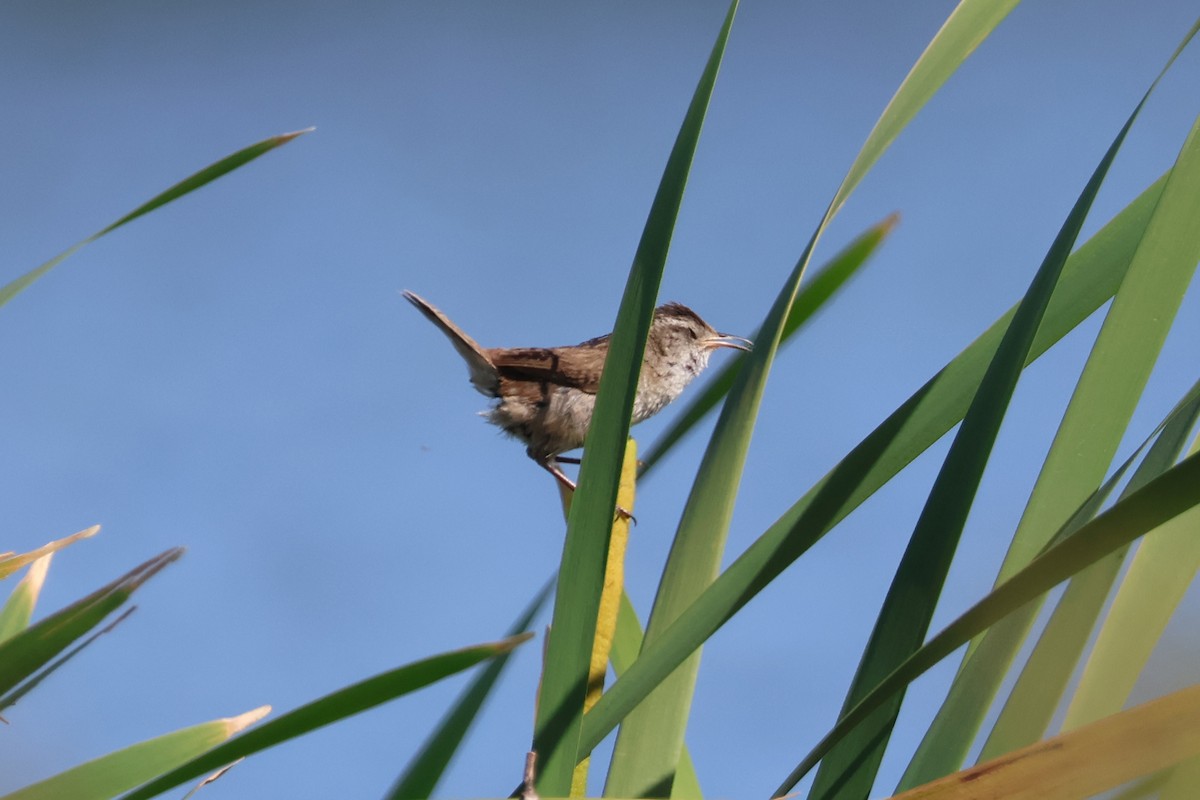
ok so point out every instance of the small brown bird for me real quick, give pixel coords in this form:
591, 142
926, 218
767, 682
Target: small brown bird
546, 395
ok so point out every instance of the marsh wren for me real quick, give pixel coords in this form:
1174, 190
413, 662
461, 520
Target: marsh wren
545, 395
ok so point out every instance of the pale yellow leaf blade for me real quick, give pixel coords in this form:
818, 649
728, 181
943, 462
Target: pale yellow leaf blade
11, 562
1097, 757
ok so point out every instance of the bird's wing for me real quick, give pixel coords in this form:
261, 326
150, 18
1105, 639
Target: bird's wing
575, 367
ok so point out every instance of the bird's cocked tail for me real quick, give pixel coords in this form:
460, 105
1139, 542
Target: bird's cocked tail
484, 375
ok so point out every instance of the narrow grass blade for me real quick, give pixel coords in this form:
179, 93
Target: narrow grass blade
329, 709
11, 562
125, 769
1161, 572
1095, 421
651, 737
33, 681
812, 297
1090, 278
18, 609
1081, 764
189, 184
1038, 691
1174, 492
426, 768
971, 22
212, 778
581, 574
24, 653
627, 643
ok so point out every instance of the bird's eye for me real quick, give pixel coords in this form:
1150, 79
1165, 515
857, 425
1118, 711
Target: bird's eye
691, 333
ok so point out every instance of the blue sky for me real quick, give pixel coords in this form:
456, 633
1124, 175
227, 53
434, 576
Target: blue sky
237, 373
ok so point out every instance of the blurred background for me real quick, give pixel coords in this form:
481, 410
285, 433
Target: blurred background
237, 372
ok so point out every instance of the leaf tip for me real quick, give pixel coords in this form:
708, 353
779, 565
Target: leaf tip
889, 223
242, 721
284, 138
512, 642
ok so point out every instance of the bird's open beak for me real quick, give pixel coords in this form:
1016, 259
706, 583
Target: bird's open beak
728, 340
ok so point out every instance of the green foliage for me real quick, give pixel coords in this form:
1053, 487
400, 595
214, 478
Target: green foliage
329, 709
422, 774
23, 654
849, 770
121, 771
1143, 260
185, 186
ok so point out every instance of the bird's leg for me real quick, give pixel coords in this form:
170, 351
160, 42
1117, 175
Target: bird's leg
550, 464
574, 460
